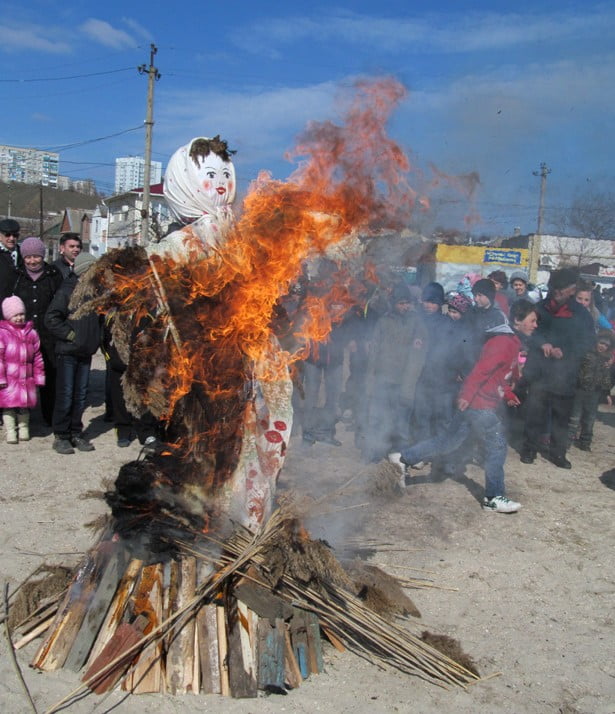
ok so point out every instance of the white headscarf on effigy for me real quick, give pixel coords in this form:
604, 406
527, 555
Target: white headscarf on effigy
200, 192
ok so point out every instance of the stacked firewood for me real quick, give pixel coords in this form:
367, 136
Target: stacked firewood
231, 617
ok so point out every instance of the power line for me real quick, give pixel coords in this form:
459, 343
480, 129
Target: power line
92, 141
73, 76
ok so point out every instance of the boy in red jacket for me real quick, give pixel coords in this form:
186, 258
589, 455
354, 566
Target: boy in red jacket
480, 396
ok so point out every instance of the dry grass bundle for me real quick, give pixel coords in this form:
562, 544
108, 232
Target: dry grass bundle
380, 591
33, 592
451, 648
385, 480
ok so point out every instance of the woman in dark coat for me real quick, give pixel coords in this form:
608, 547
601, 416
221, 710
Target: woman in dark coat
36, 284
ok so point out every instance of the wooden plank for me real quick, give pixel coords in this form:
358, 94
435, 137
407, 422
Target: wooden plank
298, 636
55, 648
124, 637
292, 671
208, 649
260, 598
146, 674
97, 610
314, 643
180, 647
115, 614
242, 677
333, 639
222, 650
271, 656
33, 633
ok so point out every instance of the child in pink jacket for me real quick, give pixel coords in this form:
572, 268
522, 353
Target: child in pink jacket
21, 369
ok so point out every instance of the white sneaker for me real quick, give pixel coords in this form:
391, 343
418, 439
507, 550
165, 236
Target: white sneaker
395, 458
418, 465
501, 504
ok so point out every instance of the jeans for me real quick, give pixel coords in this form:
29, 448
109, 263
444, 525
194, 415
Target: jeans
486, 426
540, 404
72, 379
583, 416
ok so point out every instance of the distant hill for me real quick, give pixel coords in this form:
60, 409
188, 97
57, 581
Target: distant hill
25, 200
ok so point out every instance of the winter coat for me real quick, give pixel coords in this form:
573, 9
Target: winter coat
37, 296
65, 269
569, 327
393, 358
21, 365
8, 272
80, 338
449, 354
595, 373
489, 382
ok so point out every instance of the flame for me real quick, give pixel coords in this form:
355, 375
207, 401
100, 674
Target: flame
351, 180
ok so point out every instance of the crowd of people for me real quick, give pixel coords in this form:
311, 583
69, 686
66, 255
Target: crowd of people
46, 354
443, 379
419, 376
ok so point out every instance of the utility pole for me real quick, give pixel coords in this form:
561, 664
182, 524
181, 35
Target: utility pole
40, 213
152, 75
543, 173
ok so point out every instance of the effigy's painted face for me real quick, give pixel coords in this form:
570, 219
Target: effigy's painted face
216, 179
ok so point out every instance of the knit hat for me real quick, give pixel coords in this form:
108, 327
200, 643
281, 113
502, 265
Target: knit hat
83, 262
12, 306
433, 292
563, 278
9, 225
459, 302
485, 287
499, 276
32, 246
519, 275
401, 293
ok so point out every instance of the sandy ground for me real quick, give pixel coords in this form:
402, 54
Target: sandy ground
530, 596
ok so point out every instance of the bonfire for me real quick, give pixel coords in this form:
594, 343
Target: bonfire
201, 581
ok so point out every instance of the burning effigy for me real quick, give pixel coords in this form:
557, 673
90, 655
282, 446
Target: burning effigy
201, 581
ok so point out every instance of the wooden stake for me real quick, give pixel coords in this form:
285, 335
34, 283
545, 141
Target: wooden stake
222, 650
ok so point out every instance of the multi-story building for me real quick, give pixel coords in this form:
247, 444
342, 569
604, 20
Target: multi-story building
29, 165
130, 173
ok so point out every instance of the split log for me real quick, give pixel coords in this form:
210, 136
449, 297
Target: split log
124, 638
222, 650
292, 672
55, 648
115, 613
314, 643
97, 609
242, 667
146, 674
180, 647
206, 623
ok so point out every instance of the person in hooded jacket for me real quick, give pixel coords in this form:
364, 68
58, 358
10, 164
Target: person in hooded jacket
76, 341
396, 356
565, 333
36, 284
479, 404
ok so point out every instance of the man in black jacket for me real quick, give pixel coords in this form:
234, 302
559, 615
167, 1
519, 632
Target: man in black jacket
76, 342
565, 333
10, 257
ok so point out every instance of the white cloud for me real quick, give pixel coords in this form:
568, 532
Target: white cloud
262, 125
137, 28
446, 33
28, 37
107, 35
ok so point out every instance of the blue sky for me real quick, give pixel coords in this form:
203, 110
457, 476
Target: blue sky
494, 87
